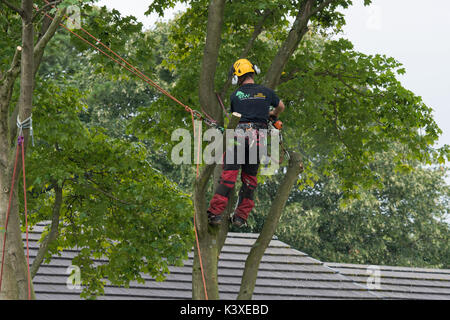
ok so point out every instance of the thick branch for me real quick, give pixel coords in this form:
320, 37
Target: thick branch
53, 233
48, 33
299, 28
13, 7
7, 80
15, 64
270, 225
320, 8
256, 32
208, 99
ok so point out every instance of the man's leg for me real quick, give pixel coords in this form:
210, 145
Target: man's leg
246, 194
249, 181
222, 193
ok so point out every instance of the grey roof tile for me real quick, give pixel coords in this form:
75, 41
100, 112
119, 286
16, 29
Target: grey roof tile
400, 282
284, 273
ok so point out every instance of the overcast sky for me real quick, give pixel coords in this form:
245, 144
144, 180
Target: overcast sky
414, 32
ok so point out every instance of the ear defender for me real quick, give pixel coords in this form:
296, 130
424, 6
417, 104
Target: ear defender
234, 80
257, 69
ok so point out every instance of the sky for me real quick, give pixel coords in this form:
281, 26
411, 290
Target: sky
414, 32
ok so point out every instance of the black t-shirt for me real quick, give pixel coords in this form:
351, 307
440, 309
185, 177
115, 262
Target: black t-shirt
253, 102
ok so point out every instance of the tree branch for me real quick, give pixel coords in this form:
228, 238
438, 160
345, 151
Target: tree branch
7, 81
256, 32
53, 233
270, 225
208, 99
13, 8
45, 7
299, 29
109, 195
322, 6
46, 37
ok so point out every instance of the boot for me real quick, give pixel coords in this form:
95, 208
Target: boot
214, 219
238, 221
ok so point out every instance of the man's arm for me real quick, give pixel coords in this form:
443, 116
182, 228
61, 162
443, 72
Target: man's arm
279, 109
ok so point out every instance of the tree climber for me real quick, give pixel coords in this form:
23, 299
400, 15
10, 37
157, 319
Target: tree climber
253, 102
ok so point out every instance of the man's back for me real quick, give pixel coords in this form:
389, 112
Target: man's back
253, 102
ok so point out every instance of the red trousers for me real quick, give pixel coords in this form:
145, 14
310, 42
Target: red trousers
228, 179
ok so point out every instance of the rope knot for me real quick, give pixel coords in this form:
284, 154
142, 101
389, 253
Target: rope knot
26, 124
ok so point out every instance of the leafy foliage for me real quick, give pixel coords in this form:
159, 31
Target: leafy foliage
404, 223
116, 205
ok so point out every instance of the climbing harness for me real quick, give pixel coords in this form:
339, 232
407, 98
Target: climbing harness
285, 151
276, 122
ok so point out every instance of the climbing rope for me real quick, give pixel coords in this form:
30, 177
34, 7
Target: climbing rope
27, 124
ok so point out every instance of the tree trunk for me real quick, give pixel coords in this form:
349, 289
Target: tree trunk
207, 96
53, 233
259, 247
209, 244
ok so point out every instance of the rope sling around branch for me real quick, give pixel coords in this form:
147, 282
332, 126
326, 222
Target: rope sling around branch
128, 66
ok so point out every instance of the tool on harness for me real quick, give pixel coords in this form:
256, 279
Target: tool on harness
251, 125
276, 122
272, 122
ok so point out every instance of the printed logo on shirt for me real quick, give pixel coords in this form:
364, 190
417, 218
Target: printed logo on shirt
259, 96
242, 95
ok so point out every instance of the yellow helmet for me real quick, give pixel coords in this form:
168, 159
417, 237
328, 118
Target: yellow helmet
241, 67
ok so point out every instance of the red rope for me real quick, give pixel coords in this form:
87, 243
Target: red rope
20, 143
